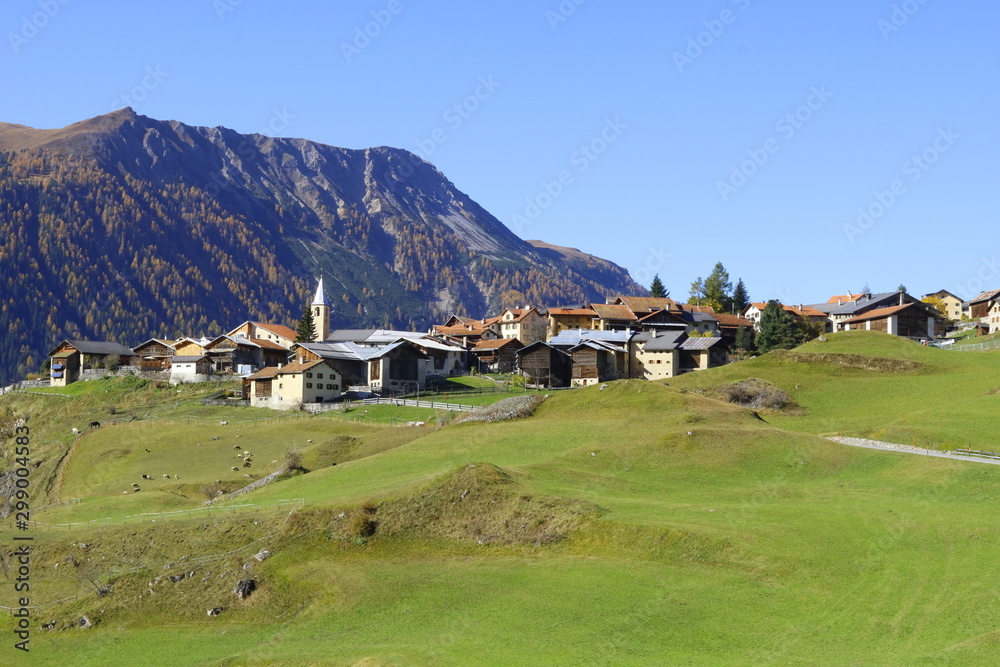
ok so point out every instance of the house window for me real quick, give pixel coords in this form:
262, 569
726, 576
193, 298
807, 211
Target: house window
309, 385
329, 386
336, 386
319, 376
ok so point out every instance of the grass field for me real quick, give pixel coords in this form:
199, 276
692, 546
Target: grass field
644, 524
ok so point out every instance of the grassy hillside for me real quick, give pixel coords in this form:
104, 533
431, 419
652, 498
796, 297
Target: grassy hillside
641, 524
868, 384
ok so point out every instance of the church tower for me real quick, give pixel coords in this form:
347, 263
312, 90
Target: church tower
321, 313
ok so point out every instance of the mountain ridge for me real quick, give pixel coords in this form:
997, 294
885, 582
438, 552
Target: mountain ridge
132, 227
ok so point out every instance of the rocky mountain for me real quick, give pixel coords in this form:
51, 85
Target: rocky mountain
125, 227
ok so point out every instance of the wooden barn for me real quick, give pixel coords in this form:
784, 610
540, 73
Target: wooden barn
594, 361
497, 356
154, 354
542, 364
910, 320
72, 358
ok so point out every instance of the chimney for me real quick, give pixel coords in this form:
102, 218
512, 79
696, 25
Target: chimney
652, 332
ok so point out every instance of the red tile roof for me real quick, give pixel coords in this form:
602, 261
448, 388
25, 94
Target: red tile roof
613, 311
494, 344
646, 304
279, 329
269, 344
582, 312
732, 320
879, 313
799, 311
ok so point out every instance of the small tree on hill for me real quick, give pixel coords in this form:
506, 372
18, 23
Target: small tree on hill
778, 329
743, 344
306, 329
656, 289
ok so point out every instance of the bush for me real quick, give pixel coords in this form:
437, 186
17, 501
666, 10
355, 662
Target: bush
363, 523
755, 394
293, 459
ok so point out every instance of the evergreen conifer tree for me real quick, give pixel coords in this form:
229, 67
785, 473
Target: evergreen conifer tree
778, 329
741, 299
306, 330
656, 289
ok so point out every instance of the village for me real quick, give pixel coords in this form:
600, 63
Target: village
629, 337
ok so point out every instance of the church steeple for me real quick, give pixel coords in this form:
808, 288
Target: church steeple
321, 313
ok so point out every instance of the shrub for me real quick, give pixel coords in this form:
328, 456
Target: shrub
363, 523
756, 394
293, 459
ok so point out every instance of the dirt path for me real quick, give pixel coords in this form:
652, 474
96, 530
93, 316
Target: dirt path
908, 449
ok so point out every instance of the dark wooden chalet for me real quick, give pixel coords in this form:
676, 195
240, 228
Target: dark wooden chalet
980, 306
497, 356
911, 320
154, 354
595, 361
542, 364
71, 358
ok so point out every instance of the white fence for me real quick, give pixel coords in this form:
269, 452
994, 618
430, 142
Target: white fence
412, 403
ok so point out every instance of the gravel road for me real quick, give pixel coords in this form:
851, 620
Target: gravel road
908, 449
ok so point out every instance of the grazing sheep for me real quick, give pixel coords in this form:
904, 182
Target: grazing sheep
166, 477
223, 423
234, 468
76, 431
215, 437
246, 464
177, 476
147, 477
309, 441
246, 453
236, 447
136, 490
124, 493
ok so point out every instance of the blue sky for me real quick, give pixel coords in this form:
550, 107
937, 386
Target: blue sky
665, 136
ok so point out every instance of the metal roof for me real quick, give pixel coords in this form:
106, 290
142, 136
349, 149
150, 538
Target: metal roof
97, 347
864, 302
571, 337
320, 298
664, 342
699, 343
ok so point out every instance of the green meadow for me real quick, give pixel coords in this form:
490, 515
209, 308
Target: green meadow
639, 524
